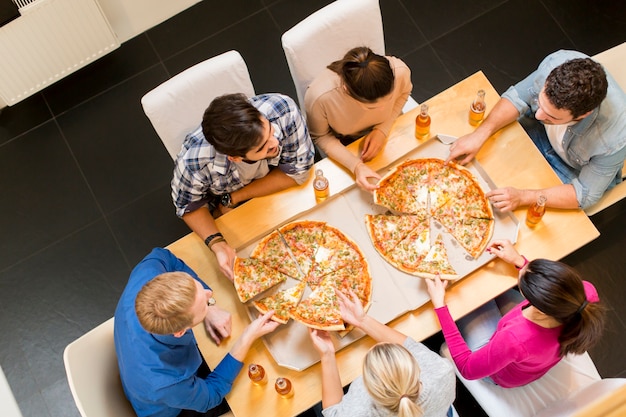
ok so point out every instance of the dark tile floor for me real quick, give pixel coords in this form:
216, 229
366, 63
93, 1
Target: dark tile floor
85, 179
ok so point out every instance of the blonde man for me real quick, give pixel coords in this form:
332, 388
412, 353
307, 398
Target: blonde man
162, 371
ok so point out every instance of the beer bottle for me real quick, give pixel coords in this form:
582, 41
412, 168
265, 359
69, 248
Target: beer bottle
422, 123
536, 211
477, 109
257, 374
283, 387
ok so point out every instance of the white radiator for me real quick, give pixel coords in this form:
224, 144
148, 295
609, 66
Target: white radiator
52, 39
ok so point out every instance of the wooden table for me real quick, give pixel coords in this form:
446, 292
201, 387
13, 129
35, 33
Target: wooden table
510, 158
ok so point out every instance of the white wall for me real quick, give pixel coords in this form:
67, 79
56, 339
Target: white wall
129, 18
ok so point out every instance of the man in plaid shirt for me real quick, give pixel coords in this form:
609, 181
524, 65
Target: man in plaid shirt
245, 148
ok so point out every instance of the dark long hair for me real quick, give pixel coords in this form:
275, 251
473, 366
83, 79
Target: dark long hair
557, 290
366, 75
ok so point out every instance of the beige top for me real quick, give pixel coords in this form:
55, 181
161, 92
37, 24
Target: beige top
329, 110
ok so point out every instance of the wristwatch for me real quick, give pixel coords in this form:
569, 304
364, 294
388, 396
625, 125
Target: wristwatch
227, 201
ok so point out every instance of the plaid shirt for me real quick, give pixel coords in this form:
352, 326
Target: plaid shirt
201, 173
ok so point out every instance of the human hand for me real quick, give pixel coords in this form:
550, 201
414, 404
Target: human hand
218, 323
373, 143
504, 250
260, 326
362, 174
437, 291
225, 258
351, 308
465, 148
505, 199
322, 342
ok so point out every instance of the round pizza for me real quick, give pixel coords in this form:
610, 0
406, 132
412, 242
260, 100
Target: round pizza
304, 263
418, 191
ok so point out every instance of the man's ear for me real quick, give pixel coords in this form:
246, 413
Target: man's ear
236, 159
180, 333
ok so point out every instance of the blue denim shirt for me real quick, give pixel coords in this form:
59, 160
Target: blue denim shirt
596, 145
158, 373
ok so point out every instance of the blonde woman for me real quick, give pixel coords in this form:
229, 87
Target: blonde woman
401, 377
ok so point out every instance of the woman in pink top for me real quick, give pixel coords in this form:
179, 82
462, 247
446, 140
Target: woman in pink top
359, 95
561, 314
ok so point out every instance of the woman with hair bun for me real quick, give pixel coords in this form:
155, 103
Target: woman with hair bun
512, 344
401, 377
359, 95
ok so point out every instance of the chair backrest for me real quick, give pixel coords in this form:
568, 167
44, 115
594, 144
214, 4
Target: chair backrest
175, 108
572, 373
614, 60
604, 398
93, 374
326, 36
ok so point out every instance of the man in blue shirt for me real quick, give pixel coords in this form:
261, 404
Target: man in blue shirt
162, 371
575, 113
245, 148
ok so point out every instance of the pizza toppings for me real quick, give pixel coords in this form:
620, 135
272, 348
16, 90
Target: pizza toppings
317, 254
283, 302
428, 189
252, 277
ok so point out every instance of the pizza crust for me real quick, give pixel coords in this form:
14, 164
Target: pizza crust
455, 200
328, 252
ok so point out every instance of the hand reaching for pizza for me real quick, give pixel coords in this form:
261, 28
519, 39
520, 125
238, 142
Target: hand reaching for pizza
218, 324
504, 250
437, 291
225, 258
259, 327
465, 148
322, 342
351, 308
506, 199
363, 175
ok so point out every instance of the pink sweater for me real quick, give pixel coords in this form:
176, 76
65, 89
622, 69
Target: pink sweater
518, 353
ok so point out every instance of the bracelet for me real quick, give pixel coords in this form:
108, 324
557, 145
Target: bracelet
213, 236
523, 265
216, 240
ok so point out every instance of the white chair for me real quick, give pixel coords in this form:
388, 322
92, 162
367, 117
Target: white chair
175, 108
571, 374
326, 36
93, 374
614, 61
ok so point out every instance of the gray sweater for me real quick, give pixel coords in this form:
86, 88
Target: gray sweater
438, 388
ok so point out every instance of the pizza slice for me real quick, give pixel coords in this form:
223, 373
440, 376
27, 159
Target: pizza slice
320, 310
271, 250
354, 277
282, 302
436, 262
408, 254
336, 252
405, 188
252, 277
303, 238
387, 230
